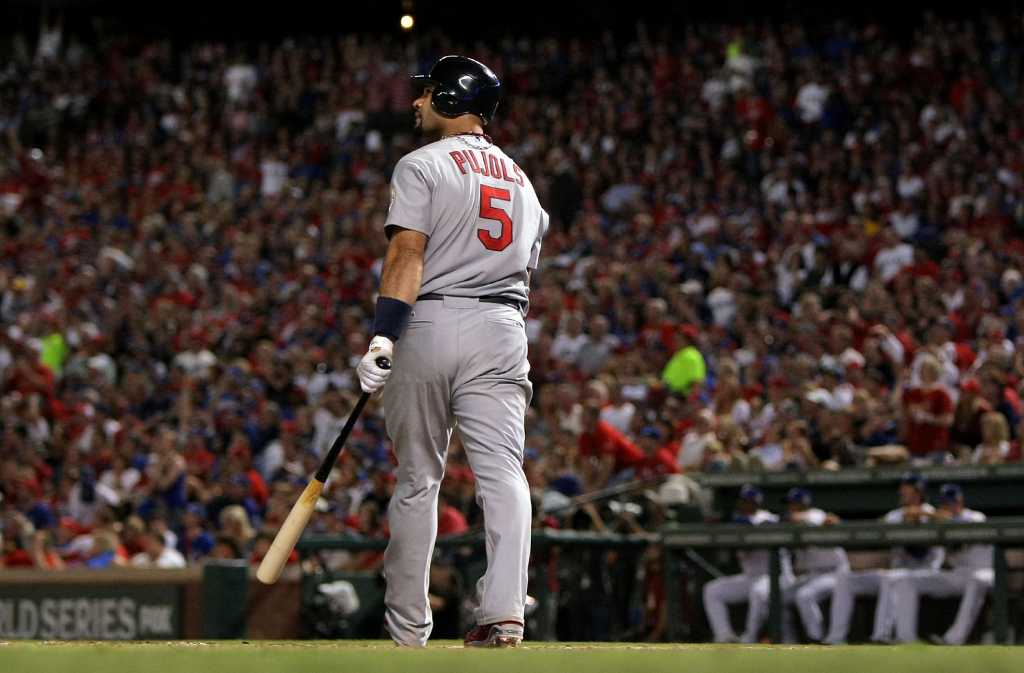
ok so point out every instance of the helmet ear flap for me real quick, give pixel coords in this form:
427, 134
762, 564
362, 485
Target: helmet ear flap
444, 103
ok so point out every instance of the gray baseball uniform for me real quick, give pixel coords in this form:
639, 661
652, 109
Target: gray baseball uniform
462, 362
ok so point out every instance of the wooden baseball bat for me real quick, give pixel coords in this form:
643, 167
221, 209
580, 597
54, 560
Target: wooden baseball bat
284, 542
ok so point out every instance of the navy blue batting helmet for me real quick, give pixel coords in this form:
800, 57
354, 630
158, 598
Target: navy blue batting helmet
914, 479
751, 493
462, 86
799, 496
950, 493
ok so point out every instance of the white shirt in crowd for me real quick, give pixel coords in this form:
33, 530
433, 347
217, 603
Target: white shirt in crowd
770, 455
619, 416
239, 79
909, 186
810, 101
904, 224
890, 261
691, 450
169, 558
196, 364
567, 348
274, 173
722, 302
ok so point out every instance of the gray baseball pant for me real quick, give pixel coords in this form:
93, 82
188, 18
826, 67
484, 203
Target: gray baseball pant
461, 362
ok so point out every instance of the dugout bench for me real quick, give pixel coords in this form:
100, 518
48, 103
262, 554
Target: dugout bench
1001, 532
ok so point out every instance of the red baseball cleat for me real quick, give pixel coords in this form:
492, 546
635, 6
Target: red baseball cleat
501, 634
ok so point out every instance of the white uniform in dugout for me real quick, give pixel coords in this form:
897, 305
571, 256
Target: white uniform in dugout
818, 568
462, 362
751, 586
969, 576
879, 582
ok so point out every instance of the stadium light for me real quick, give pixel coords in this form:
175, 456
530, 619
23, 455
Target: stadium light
407, 22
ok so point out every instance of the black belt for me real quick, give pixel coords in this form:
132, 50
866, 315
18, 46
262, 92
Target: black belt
492, 299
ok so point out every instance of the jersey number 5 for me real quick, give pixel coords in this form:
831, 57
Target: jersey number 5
490, 212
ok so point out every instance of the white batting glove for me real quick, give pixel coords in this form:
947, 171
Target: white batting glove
371, 376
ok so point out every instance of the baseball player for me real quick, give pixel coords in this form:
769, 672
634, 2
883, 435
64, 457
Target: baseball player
752, 584
464, 230
970, 576
820, 566
880, 582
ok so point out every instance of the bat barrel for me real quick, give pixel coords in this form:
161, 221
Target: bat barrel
284, 542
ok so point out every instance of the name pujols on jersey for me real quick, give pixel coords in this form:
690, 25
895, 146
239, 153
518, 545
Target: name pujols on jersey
486, 165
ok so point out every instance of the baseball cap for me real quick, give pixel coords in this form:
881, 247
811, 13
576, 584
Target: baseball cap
950, 493
800, 496
651, 431
914, 479
751, 493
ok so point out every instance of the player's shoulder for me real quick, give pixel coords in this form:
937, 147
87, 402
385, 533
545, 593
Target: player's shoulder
415, 166
420, 156
815, 516
974, 515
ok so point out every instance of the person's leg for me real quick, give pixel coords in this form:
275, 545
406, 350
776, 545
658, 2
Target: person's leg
978, 583
885, 620
757, 605
808, 603
847, 586
490, 396
906, 598
718, 595
416, 411
757, 608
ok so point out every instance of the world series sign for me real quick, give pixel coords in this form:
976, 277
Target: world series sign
90, 612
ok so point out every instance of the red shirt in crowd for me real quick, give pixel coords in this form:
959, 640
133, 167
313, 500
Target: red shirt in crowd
925, 438
607, 440
661, 462
450, 521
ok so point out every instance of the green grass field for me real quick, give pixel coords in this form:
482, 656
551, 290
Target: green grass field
450, 657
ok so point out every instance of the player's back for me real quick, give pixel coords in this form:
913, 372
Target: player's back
478, 208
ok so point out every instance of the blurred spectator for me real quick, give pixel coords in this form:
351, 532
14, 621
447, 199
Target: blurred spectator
994, 447
156, 554
235, 525
686, 368
928, 414
225, 548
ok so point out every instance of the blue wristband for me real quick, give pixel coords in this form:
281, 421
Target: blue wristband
391, 317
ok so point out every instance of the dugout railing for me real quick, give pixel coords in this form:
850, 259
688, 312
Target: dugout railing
677, 545
1000, 532
854, 492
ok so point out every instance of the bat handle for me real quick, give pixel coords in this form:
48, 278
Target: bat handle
383, 362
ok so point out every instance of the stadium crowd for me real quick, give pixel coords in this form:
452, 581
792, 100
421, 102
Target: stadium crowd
774, 247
